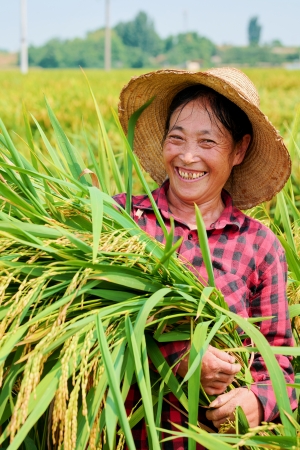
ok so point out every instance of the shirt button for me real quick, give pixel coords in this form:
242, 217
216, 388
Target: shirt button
190, 236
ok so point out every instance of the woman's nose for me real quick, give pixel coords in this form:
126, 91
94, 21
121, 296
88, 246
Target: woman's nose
189, 156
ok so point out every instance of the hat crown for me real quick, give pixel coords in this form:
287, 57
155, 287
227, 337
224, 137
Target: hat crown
239, 81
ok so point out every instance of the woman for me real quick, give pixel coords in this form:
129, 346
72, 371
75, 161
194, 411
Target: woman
204, 140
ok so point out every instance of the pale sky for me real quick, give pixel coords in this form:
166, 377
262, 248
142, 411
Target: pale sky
223, 21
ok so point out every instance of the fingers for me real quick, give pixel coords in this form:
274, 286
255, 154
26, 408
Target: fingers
221, 355
224, 398
224, 407
216, 389
217, 385
219, 416
222, 362
217, 371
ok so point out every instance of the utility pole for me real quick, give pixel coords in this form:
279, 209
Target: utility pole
24, 49
107, 56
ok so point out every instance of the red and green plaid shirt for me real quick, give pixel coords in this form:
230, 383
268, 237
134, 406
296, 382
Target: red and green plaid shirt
250, 270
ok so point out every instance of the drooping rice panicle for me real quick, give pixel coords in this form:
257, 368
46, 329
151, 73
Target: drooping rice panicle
60, 277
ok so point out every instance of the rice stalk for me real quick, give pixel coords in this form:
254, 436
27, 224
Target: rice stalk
79, 308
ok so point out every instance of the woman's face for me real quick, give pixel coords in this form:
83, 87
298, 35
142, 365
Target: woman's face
199, 154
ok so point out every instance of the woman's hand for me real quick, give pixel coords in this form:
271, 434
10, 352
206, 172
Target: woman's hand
225, 405
217, 371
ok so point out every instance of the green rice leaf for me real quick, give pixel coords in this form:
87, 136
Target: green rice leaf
294, 310
29, 138
130, 136
140, 376
211, 442
111, 413
52, 152
197, 342
203, 329
141, 178
97, 218
109, 151
113, 384
17, 159
159, 408
165, 371
202, 235
206, 293
286, 221
74, 161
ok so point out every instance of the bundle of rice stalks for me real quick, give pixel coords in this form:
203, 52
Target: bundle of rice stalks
85, 298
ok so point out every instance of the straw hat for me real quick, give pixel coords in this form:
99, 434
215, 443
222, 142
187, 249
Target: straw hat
266, 166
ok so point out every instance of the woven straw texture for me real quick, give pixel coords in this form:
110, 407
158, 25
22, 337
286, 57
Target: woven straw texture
266, 166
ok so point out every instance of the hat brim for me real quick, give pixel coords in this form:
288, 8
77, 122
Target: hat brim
266, 166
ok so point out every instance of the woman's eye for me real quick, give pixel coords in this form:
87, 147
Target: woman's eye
207, 142
174, 137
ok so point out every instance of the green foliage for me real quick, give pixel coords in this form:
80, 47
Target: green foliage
140, 33
133, 44
189, 46
87, 52
251, 56
136, 44
254, 30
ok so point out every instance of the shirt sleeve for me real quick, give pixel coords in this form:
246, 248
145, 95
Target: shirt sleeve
270, 300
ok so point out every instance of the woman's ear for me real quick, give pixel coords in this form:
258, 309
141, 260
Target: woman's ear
241, 148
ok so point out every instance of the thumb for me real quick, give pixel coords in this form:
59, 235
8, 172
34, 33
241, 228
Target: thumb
223, 399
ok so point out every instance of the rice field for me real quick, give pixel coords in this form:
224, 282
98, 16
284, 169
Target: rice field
67, 92
79, 279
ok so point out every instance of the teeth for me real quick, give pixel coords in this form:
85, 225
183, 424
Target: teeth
190, 175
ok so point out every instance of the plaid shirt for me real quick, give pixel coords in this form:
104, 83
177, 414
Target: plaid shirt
251, 272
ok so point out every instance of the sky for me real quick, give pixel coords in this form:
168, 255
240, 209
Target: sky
222, 21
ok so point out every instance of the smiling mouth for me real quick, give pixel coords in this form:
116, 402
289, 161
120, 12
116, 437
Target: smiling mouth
190, 175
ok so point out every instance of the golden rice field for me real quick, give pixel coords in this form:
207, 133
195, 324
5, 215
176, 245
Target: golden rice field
67, 92
79, 279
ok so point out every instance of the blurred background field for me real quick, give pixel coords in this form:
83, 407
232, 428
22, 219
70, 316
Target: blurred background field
67, 92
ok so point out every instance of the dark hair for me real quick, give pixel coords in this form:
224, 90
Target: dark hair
228, 113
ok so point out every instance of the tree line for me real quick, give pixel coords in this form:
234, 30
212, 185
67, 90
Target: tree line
136, 44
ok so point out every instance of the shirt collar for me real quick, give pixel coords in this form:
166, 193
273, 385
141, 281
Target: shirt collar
231, 215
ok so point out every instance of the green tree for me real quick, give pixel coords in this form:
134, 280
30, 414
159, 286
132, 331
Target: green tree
253, 55
140, 32
189, 46
254, 30
88, 52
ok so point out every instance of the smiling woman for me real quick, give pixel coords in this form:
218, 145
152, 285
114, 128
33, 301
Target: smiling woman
205, 141
201, 147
